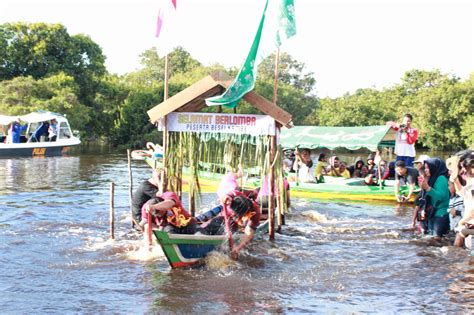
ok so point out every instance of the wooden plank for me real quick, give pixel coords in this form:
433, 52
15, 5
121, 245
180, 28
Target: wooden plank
182, 98
193, 99
267, 107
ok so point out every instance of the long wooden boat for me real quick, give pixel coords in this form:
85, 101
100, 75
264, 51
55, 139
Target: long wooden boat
334, 189
186, 250
351, 189
182, 250
30, 146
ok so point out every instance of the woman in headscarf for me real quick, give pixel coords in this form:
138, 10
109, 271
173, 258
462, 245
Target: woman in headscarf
358, 169
435, 184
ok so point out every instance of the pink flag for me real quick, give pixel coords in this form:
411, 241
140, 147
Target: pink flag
165, 24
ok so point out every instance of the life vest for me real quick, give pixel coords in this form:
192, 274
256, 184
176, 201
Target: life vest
176, 217
243, 221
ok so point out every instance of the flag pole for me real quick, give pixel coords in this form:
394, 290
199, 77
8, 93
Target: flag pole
275, 80
165, 96
164, 177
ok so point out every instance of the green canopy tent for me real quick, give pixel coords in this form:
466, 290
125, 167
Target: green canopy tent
352, 138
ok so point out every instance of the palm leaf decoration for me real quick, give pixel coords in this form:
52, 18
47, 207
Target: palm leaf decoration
219, 153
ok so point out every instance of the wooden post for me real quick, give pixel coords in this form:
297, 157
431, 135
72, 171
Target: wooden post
271, 201
130, 184
272, 148
281, 197
164, 175
192, 203
112, 211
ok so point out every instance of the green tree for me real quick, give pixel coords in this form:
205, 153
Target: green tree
290, 72
40, 50
179, 62
57, 93
133, 127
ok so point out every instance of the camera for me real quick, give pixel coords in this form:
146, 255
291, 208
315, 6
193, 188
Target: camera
403, 126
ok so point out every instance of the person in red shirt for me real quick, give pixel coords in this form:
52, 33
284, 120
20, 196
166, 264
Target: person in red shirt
168, 214
244, 216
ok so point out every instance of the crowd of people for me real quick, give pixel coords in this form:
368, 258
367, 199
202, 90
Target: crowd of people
443, 203
442, 193
300, 167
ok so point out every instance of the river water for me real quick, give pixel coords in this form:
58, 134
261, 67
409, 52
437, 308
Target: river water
55, 255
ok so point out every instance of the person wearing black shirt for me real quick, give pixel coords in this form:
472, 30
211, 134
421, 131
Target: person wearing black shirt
146, 191
409, 176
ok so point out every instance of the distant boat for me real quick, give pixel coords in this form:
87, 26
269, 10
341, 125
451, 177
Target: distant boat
30, 145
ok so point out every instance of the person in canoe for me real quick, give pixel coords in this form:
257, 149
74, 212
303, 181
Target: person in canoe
320, 170
244, 216
303, 166
168, 214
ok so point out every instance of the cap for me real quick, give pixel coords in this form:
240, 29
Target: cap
421, 159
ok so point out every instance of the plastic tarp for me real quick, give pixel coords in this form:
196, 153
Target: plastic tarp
352, 138
29, 118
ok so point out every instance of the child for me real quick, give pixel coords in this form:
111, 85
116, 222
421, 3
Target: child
321, 168
455, 208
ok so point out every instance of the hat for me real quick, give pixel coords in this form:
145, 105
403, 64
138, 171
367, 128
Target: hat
421, 159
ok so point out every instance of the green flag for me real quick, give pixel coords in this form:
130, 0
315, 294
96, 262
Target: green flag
271, 33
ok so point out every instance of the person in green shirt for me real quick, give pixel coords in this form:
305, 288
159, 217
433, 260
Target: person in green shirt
435, 184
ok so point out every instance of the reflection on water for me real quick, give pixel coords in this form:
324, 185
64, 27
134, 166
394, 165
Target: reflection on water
330, 258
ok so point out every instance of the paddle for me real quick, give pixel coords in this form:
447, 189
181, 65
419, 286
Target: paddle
377, 161
227, 225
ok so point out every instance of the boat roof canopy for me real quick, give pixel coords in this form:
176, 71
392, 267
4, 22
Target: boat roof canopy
31, 117
352, 138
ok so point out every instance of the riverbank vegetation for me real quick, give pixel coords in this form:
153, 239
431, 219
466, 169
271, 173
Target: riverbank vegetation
44, 67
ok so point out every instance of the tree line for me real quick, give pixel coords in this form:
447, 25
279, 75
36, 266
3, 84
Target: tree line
44, 67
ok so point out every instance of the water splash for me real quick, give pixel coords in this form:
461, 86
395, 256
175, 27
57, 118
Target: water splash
315, 216
219, 261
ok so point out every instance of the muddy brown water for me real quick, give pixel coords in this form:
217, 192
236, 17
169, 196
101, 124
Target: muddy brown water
55, 256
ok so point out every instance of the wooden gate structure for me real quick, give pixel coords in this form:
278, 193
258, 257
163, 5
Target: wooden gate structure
178, 114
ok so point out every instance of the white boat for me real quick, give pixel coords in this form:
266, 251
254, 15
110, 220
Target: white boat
30, 145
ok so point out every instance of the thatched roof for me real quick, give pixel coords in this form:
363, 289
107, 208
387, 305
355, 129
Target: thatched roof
192, 99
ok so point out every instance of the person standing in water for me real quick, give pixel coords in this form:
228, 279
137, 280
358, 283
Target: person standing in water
406, 139
146, 191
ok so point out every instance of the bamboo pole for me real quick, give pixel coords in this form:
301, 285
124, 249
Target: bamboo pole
130, 184
164, 175
275, 99
271, 201
112, 211
192, 203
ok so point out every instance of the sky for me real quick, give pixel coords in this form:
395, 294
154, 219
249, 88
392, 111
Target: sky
347, 44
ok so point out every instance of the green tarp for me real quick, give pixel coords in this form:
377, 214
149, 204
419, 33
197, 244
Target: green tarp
352, 138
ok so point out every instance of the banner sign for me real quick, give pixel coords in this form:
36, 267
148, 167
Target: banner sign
255, 125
